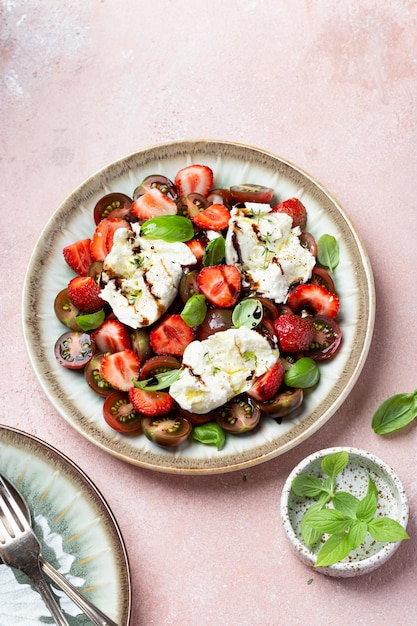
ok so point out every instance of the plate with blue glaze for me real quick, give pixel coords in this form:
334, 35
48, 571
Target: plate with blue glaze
78, 533
232, 164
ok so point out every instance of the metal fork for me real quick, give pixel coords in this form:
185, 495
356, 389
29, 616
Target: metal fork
20, 548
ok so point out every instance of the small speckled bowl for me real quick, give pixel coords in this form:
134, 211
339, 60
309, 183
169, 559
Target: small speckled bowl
392, 502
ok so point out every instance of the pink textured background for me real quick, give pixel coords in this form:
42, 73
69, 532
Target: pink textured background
330, 86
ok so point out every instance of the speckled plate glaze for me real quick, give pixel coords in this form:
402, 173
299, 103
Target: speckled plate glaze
392, 502
232, 164
78, 534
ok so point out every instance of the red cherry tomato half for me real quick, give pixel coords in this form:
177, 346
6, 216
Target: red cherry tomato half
112, 205
251, 193
166, 430
327, 338
221, 196
196, 418
239, 415
120, 414
74, 349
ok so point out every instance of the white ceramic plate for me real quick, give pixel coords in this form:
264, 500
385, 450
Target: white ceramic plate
232, 164
78, 534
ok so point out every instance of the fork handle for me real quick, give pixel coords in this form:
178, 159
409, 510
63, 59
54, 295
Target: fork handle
38, 580
89, 609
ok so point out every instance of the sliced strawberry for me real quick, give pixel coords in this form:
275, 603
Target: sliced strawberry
294, 333
315, 298
171, 335
78, 256
220, 284
194, 179
151, 403
266, 386
197, 248
102, 240
215, 217
152, 204
111, 336
84, 293
295, 209
120, 369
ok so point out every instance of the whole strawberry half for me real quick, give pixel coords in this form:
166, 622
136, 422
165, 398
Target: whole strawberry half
315, 298
84, 294
295, 333
295, 209
194, 179
78, 256
266, 386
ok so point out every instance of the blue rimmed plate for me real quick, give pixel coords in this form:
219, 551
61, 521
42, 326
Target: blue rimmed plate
78, 534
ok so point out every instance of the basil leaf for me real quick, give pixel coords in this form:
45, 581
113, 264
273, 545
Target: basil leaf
215, 252
210, 434
91, 321
367, 507
346, 503
159, 381
248, 313
386, 529
304, 485
304, 373
328, 521
395, 413
336, 548
328, 252
357, 533
309, 534
334, 463
171, 228
194, 311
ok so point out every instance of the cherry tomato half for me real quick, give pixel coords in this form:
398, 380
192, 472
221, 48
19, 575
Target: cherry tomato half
320, 276
221, 196
164, 184
215, 321
120, 414
167, 430
251, 193
285, 402
157, 365
74, 349
239, 415
65, 311
326, 340
308, 242
190, 205
112, 205
189, 286
94, 378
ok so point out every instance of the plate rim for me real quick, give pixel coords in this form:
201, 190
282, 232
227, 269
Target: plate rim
186, 147
88, 484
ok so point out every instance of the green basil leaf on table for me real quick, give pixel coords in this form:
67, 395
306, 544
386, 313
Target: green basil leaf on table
395, 413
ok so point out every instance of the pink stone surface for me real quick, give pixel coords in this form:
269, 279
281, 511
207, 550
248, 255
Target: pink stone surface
328, 85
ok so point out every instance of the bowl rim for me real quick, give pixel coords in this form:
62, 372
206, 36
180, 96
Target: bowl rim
341, 566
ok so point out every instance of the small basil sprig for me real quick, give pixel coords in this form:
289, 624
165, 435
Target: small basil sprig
303, 374
348, 521
328, 252
215, 252
159, 381
210, 434
171, 228
248, 312
395, 413
195, 310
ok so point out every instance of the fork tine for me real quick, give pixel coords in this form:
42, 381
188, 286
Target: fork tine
10, 510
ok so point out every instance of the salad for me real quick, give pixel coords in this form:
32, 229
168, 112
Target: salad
198, 311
